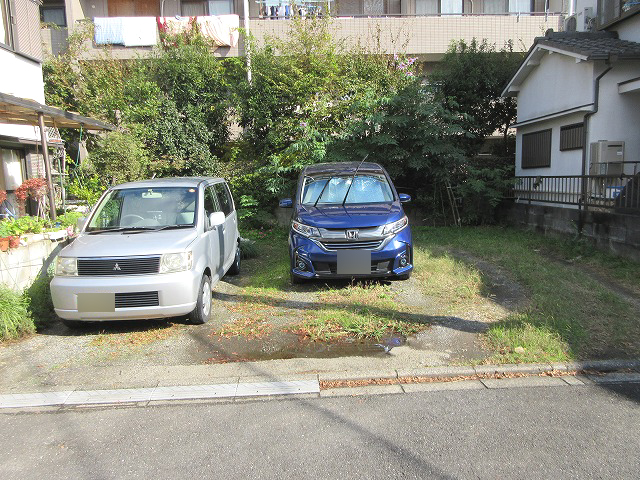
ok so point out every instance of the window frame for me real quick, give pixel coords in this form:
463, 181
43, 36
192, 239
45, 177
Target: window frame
527, 136
8, 25
563, 131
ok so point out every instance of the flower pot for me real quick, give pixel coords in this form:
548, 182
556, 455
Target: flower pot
14, 241
4, 244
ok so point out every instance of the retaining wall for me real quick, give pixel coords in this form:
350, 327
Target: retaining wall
20, 266
615, 232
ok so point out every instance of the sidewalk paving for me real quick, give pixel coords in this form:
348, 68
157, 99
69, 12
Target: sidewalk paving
409, 381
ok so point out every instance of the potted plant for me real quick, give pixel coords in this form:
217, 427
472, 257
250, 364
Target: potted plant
4, 236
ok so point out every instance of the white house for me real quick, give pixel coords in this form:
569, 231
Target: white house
578, 93
22, 102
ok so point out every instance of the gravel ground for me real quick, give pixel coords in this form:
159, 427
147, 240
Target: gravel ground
61, 356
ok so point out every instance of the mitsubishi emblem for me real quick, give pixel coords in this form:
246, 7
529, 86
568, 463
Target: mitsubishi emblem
352, 234
116, 267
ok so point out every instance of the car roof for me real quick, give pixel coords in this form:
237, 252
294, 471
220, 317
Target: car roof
342, 168
169, 182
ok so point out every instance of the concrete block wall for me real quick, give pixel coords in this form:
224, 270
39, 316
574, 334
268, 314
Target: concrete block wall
19, 267
613, 232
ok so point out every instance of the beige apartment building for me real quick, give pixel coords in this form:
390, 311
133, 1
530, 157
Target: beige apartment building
423, 28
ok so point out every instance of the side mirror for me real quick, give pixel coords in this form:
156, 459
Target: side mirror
286, 203
216, 219
80, 223
404, 198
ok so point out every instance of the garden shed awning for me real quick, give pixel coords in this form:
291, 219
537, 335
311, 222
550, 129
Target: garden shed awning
23, 111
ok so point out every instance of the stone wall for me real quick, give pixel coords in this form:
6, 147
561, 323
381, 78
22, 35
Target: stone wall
617, 233
20, 266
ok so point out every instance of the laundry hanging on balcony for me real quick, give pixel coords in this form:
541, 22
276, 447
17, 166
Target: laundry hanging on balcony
175, 25
127, 31
221, 29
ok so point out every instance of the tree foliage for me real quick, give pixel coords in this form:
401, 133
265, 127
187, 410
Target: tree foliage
470, 79
309, 101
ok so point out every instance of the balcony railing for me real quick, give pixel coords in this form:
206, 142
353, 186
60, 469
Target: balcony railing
426, 35
603, 192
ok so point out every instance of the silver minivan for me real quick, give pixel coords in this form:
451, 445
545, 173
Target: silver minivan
149, 249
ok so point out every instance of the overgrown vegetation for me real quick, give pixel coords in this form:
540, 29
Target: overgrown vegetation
15, 319
310, 101
571, 315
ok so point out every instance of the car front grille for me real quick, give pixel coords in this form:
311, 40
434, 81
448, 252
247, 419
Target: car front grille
366, 244
118, 266
137, 299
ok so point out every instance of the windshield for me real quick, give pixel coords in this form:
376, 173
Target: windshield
146, 208
366, 188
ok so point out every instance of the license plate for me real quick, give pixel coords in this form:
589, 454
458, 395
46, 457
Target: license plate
96, 302
354, 262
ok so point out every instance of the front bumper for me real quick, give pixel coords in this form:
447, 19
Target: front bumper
319, 263
176, 293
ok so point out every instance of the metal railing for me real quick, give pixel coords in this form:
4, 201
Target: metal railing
619, 192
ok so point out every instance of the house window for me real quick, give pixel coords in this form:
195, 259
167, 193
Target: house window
194, 9
494, 6
520, 6
53, 12
5, 37
220, 7
536, 149
426, 7
571, 137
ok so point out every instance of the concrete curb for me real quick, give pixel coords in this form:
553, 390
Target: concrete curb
592, 372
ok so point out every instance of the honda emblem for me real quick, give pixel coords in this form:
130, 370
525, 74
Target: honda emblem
352, 234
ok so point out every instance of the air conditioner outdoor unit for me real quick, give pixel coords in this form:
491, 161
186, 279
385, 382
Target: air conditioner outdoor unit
607, 158
570, 23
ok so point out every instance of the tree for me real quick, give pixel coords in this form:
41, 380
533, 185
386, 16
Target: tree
470, 79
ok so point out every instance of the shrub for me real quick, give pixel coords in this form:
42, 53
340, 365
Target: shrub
15, 319
40, 305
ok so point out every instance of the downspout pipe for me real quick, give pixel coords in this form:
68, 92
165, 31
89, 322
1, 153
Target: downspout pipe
572, 7
585, 137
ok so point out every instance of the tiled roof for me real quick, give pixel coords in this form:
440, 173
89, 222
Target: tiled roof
593, 45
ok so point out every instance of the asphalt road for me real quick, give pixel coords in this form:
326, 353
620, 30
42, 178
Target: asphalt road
548, 432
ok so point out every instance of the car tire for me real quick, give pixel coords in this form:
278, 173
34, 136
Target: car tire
202, 312
296, 280
74, 324
234, 269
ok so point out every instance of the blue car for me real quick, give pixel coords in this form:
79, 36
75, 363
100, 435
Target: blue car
348, 222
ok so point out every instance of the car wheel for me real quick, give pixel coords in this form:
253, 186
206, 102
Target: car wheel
296, 280
235, 266
202, 312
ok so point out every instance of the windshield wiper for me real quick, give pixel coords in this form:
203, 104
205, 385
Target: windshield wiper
322, 191
115, 229
353, 179
166, 227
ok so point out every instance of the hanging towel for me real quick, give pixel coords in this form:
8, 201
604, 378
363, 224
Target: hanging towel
139, 31
175, 25
222, 29
108, 31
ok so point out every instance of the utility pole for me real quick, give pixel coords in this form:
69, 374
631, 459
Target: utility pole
247, 48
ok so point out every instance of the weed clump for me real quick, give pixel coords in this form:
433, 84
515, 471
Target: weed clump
15, 318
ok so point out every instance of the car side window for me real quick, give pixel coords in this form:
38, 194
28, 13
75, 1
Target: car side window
226, 205
210, 202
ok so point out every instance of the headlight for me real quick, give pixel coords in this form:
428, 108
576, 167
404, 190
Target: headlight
395, 227
305, 230
176, 262
66, 266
